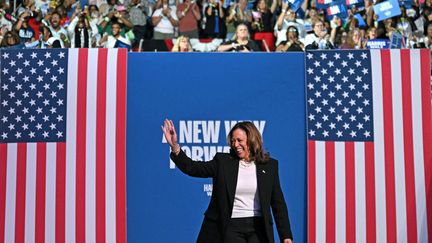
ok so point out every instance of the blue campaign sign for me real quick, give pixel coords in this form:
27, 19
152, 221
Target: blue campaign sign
354, 2
396, 40
205, 95
361, 22
377, 44
407, 3
337, 9
295, 4
387, 9
322, 4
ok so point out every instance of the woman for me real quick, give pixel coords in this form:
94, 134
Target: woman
245, 186
293, 43
238, 14
182, 44
241, 41
354, 40
215, 20
11, 40
164, 20
263, 16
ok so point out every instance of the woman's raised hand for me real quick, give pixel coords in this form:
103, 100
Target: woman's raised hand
170, 134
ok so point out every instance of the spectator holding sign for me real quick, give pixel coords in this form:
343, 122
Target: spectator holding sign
237, 212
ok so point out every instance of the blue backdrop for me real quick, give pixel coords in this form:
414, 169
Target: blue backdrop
204, 94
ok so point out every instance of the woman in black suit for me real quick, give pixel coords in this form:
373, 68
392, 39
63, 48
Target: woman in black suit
245, 186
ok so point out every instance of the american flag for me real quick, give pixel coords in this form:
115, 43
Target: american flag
62, 145
369, 146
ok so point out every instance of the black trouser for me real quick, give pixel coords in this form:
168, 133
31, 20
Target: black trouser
246, 230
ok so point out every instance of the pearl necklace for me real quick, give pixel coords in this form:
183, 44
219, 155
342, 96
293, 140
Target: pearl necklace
245, 164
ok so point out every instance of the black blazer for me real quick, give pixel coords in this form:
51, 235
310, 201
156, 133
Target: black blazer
223, 168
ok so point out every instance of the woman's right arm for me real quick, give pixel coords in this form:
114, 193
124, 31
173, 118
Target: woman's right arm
183, 162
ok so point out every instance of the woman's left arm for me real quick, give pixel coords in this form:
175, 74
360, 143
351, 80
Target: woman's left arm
279, 209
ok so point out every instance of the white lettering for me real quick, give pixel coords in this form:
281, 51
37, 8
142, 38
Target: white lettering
185, 131
228, 126
260, 126
385, 6
210, 130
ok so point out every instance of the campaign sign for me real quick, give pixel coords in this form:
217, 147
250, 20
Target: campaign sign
295, 4
354, 2
378, 44
337, 9
361, 22
387, 9
205, 95
406, 3
396, 40
322, 4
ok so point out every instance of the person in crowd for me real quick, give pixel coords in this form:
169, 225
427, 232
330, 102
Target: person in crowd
25, 6
215, 20
54, 42
319, 39
241, 41
45, 35
22, 27
64, 18
262, 16
138, 17
287, 18
189, 15
57, 30
5, 20
354, 40
115, 39
118, 15
80, 30
164, 20
337, 30
292, 43
237, 212
182, 44
11, 40
238, 14
422, 42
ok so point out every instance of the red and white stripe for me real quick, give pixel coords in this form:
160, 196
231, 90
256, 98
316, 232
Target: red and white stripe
73, 191
379, 191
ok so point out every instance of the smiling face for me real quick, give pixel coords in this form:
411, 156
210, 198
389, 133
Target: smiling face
239, 144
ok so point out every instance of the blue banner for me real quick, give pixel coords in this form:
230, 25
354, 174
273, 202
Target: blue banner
295, 4
338, 9
204, 102
377, 44
387, 9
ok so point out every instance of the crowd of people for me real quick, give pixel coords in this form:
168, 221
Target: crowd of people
230, 25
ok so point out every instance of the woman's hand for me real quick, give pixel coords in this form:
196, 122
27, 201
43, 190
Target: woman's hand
170, 135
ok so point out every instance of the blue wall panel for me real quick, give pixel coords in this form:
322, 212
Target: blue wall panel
202, 90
